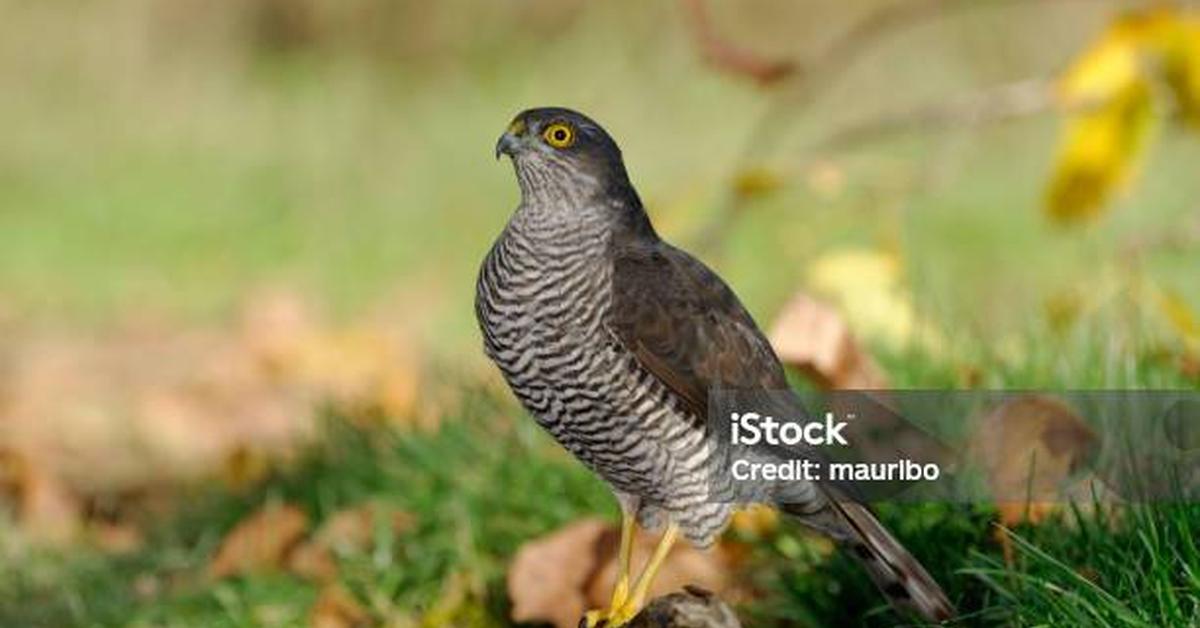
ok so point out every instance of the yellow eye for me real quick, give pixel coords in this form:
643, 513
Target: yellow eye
559, 135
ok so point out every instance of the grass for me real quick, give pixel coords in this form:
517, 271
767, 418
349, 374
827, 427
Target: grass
465, 528
488, 480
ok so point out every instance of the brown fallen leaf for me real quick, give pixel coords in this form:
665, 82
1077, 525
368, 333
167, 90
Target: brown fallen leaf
261, 542
337, 608
1189, 365
349, 531
1029, 446
312, 561
547, 578
116, 538
557, 578
810, 335
353, 530
47, 509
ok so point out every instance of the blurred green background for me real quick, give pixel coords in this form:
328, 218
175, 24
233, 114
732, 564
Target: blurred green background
164, 164
171, 156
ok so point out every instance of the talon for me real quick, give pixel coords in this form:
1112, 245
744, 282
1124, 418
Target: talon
620, 595
623, 615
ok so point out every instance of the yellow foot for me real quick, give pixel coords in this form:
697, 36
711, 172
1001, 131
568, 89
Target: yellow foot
610, 618
594, 619
622, 616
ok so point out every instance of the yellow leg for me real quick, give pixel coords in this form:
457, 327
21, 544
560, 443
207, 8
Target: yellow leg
641, 588
624, 558
621, 590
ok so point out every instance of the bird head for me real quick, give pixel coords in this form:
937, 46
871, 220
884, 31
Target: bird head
559, 151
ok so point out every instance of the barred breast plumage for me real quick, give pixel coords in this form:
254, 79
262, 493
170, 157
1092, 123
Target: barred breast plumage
544, 301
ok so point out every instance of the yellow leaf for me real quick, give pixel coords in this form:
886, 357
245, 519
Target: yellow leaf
1183, 319
756, 182
1105, 69
755, 521
1180, 46
868, 287
1110, 84
1098, 154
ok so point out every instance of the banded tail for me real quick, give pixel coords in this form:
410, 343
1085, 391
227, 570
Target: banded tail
898, 575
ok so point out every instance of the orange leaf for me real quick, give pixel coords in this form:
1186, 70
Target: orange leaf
337, 608
812, 337
259, 543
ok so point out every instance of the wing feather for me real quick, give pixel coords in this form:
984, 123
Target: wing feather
686, 327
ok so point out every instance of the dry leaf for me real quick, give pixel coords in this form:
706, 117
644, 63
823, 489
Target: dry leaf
1029, 447
261, 542
337, 608
353, 529
349, 531
755, 183
116, 538
812, 336
868, 287
47, 509
556, 578
312, 561
1189, 365
548, 576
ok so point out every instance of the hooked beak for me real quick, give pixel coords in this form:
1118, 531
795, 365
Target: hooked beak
508, 144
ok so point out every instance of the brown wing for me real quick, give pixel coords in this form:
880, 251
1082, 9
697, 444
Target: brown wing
687, 327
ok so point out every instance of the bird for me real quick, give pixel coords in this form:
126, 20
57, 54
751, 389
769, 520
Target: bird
612, 339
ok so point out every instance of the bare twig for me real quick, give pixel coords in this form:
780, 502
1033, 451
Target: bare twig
990, 105
728, 57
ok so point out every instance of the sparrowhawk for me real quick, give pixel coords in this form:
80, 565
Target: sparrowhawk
612, 339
